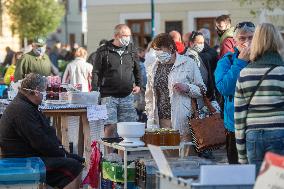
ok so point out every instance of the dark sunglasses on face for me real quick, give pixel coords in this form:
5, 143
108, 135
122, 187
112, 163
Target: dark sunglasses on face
243, 24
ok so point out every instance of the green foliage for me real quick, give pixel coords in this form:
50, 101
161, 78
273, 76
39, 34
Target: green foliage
31, 18
268, 4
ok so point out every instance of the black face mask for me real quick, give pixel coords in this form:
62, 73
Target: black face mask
220, 32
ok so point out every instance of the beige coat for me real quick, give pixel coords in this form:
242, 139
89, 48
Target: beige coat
184, 71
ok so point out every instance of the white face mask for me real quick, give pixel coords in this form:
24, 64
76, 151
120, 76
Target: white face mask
125, 40
163, 57
40, 51
198, 47
43, 95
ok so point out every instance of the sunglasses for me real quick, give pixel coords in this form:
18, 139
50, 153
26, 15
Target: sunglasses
243, 24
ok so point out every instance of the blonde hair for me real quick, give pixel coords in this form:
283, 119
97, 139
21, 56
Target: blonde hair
81, 52
266, 38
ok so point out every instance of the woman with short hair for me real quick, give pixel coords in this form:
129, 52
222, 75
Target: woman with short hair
259, 114
172, 80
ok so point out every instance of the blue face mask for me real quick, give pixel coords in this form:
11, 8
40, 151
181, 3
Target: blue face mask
163, 57
40, 51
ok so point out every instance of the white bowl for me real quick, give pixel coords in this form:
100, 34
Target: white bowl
131, 133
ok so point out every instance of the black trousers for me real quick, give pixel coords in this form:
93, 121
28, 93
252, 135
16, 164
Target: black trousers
232, 153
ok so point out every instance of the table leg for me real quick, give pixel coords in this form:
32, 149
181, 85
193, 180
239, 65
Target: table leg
87, 139
125, 168
57, 126
81, 138
64, 131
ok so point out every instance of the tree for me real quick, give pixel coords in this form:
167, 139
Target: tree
31, 18
268, 4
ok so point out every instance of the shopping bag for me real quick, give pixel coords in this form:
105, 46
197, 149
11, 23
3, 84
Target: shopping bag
208, 132
93, 175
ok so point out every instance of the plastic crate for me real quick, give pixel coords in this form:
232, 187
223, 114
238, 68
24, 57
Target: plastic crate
115, 172
145, 171
167, 182
15, 171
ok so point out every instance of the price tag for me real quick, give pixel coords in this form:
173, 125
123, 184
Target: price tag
97, 112
271, 175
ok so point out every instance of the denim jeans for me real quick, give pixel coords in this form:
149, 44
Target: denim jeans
258, 142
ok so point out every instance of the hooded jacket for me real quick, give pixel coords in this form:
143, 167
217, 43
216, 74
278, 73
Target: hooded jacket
226, 76
114, 74
227, 42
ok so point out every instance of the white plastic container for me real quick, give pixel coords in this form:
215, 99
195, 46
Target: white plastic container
131, 133
77, 97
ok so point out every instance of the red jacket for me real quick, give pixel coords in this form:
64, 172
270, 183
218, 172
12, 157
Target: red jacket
227, 45
180, 47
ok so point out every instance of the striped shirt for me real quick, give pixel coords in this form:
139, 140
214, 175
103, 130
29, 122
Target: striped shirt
266, 109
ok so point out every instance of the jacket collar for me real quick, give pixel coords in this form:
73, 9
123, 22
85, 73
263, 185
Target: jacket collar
180, 59
24, 98
228, 33
270, 58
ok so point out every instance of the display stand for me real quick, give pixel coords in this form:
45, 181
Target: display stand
135, 149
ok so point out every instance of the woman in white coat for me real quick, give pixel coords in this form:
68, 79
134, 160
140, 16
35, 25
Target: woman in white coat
173, 80
79, 71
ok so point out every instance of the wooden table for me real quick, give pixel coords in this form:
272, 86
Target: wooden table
60, 117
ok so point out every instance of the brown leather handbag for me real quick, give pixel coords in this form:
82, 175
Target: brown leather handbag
207, 133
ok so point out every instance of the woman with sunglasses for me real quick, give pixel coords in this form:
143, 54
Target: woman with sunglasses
226, 75
259, 102
172, 80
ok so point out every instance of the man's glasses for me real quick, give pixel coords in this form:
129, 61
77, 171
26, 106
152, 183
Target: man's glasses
243, 24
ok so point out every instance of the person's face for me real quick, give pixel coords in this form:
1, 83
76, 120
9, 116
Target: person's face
243, 40
164, 54
124, 36
39, 50
199, 40
221, 27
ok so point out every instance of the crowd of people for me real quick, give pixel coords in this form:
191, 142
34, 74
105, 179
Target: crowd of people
243, 81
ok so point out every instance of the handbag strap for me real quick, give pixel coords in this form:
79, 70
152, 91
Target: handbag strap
206, 100
259, 83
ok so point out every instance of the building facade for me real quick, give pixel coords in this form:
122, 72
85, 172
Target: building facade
181, 15
7, 38
70, 30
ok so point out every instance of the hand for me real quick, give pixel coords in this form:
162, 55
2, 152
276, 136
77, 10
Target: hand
136, 90
180, 87
244, 54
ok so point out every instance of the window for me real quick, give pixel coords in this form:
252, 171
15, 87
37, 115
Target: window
141, 31
208, 23
173, 25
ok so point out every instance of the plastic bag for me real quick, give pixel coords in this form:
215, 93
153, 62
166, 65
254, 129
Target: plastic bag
93, 175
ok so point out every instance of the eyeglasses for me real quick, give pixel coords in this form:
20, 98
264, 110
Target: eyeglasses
243, 24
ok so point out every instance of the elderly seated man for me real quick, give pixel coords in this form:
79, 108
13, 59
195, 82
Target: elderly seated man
25, 132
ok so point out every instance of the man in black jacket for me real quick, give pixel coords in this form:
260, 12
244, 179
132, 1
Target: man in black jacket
25, 132
116, 74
